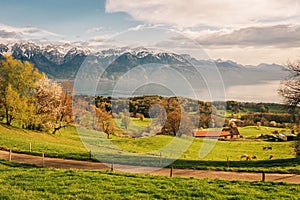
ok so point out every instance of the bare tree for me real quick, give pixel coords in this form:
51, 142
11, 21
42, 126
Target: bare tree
290, 91
290, 87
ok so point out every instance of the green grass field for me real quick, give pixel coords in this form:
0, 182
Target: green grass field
27, 182
256, 131
221, 150
136, 125
284, 162
67, 144
231, 114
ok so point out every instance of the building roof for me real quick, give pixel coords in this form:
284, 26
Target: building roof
211, 133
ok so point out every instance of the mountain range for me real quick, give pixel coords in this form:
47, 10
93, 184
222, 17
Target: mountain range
63, 61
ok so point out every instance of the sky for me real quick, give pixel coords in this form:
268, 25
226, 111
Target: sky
248, 32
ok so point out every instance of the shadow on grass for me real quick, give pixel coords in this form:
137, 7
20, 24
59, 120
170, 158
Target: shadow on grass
278, 165
74, 156
19, 165
291, 165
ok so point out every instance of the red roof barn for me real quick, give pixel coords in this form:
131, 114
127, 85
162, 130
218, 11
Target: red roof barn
226, 133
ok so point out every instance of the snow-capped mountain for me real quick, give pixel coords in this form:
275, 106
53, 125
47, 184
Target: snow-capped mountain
25, 51
63, 61
55, 53
3, 48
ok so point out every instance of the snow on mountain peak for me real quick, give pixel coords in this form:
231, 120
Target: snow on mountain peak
26, 50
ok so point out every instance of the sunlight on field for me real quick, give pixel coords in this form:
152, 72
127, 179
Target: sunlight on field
67, 144
27, 182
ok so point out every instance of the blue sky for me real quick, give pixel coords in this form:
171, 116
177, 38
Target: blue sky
249, 32
70, 18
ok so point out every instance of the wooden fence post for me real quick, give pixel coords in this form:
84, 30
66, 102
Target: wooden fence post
30, 147
160, 158
171, 172
43, 160
263, 176
9, 155
227, 162
112, 166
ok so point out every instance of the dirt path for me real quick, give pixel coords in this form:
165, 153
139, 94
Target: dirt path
73, 164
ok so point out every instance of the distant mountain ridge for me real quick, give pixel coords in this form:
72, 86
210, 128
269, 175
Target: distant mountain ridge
63, 61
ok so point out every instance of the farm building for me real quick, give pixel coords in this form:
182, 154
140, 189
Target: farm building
226, 133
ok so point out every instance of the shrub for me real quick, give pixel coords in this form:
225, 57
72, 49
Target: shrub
273, 124
140, 116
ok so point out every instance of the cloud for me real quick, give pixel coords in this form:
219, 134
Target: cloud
230, 13
27, 32
138, 27
98, 39
255, 55
95, 29
280, 36
283, 36
144, 26
7, 34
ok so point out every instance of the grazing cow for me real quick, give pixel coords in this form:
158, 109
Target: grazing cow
248, 158
267, 148
271, 156
254, 157
244, 156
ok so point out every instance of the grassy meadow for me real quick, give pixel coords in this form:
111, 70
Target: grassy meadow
256, 131
28, 182
67, 144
